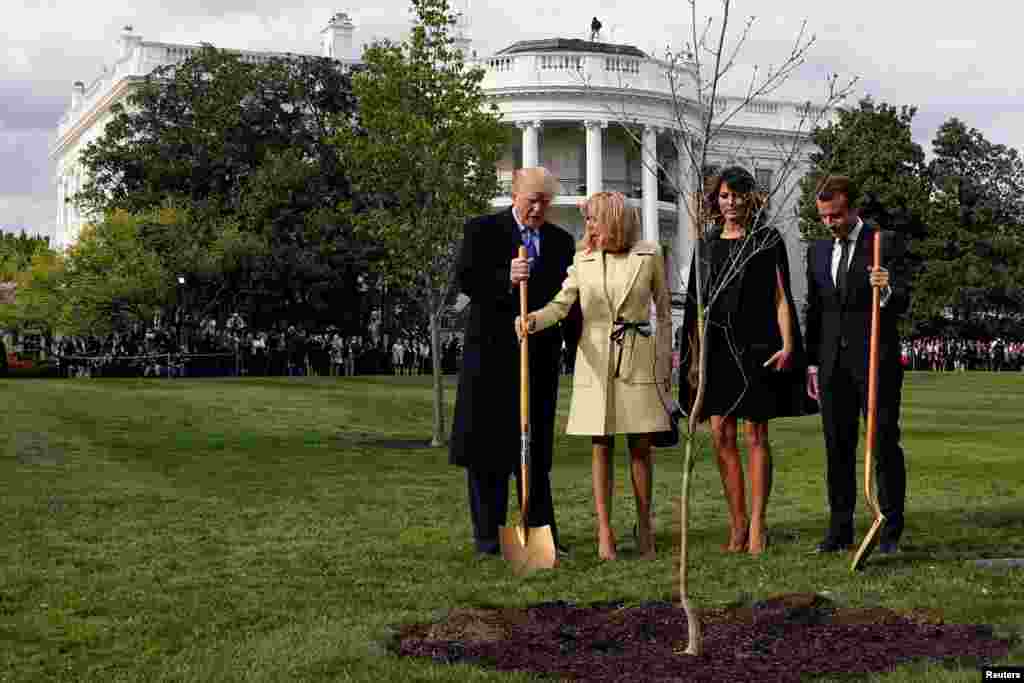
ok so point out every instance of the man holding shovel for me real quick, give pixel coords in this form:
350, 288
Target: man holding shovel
840, 280
486, 427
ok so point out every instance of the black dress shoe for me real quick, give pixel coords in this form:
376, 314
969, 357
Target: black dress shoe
831, 545
488, 547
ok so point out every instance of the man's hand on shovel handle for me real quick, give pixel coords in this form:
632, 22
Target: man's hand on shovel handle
519, 271
879, 277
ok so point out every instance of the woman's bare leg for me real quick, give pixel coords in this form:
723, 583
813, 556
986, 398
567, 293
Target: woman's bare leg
603, 450
760, 468
642, 469
723, 434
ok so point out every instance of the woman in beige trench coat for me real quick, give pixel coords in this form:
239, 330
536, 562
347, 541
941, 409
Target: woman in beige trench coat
622, 379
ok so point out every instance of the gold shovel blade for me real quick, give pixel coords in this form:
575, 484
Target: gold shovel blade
528, 550
867, 546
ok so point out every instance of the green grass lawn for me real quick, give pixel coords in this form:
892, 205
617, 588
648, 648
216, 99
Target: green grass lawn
237, 530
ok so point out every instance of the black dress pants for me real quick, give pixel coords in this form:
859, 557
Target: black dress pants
488, 489
843, 400
488, 505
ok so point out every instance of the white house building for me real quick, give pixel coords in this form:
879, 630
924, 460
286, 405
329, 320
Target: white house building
600, 116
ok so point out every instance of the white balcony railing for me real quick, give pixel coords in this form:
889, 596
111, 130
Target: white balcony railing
603, 72
622, 64
576, 69
560, 62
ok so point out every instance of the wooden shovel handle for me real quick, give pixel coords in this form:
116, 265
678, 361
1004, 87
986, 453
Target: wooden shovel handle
524, 357
872, 417
524, 399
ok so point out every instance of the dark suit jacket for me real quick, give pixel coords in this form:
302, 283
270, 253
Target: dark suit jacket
839, 328
485, 429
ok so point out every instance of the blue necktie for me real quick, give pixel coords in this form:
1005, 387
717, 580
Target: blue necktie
530, 242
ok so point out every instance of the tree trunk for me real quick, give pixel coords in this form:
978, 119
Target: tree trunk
438, 437
695, 640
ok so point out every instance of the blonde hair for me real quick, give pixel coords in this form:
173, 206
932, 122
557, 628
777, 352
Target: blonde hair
617, 225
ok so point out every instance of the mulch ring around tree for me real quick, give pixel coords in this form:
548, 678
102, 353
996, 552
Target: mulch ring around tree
785, 638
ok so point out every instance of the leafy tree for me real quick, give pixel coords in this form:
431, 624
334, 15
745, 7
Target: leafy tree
873, 144
304, 257
33, 268
37, 306
111, 280
972, 256
985, 180
241, 149
426, 151
199, 129
17, 252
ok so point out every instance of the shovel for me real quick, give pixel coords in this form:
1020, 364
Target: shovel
526, 549
871, 539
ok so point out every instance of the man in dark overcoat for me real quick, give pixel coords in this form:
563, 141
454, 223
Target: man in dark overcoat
839, 295
486, 429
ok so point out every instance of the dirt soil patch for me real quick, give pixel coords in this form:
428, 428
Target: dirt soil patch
784, 638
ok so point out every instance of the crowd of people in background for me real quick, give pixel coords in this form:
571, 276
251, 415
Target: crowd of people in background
410, 357
157, 352
948, 354
161, 352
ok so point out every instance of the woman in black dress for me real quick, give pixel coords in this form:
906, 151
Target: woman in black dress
755, 353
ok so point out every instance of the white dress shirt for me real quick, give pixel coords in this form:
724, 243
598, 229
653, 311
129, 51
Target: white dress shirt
837, 253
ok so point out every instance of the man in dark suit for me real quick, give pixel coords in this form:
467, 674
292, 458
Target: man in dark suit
486, 429
839, 294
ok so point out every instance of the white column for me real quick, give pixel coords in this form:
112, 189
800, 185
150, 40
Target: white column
79, 184
72, 211
686, 204
595, 158
60, 208
76, 188
649, 172
531, 142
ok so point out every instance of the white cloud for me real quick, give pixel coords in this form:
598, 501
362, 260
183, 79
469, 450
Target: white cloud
956, 44
24, 155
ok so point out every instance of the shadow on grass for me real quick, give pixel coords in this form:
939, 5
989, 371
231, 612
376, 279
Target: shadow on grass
371, 440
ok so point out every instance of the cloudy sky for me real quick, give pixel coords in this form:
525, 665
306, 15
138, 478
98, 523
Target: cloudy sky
947, 63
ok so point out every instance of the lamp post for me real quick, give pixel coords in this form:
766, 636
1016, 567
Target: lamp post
181, 323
